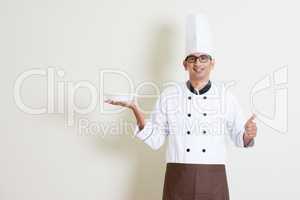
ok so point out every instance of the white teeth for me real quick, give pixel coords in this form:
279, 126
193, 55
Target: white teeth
198, 69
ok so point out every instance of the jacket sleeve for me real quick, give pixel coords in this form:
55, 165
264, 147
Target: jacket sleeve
236, 122
156, 127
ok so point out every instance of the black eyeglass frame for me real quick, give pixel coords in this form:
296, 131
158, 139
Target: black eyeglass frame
198, 57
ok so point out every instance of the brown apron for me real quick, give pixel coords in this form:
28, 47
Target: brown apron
195, 182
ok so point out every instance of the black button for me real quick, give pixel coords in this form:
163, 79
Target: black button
204, 114
204, 132
189, 115
204, 97
189, 98
188, 150
188, 132
203, 150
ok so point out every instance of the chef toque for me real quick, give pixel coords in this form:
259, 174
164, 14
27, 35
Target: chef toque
198, 35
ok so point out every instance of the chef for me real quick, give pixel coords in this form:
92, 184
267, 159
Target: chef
195, 118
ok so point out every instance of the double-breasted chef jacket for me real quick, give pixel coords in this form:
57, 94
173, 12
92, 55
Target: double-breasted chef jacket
194, 123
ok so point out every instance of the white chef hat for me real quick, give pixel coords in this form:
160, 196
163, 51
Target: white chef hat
198, 35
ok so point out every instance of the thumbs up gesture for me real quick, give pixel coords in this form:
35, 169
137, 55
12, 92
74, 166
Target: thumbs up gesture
250, 128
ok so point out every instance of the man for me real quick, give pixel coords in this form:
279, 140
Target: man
195, 117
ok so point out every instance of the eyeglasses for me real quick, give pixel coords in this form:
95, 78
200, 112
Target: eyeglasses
202, 58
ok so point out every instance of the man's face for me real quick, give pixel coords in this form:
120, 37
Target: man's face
199, 69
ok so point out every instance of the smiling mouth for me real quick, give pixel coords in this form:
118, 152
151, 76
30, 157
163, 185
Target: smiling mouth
198, 69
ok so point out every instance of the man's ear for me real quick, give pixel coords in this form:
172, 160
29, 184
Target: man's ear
212, 63
184, 64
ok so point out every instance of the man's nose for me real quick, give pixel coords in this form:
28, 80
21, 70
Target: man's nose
197, 62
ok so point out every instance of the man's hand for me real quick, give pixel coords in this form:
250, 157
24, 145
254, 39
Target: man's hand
127, 104
250, 130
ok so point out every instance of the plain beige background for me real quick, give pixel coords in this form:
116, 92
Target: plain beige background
42, 158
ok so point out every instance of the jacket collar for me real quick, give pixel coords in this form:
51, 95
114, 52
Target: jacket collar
201, 91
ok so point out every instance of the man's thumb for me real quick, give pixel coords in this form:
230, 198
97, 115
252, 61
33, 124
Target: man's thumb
252, 118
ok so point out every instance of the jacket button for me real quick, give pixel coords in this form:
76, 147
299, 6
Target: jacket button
204, 132
188, 150
203, 150
188, 132
189, 97
204, 114
204, 97
189, 115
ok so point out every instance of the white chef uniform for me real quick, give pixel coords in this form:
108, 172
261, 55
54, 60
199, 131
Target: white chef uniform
195, 126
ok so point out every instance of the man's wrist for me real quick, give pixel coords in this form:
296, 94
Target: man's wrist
132, 106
